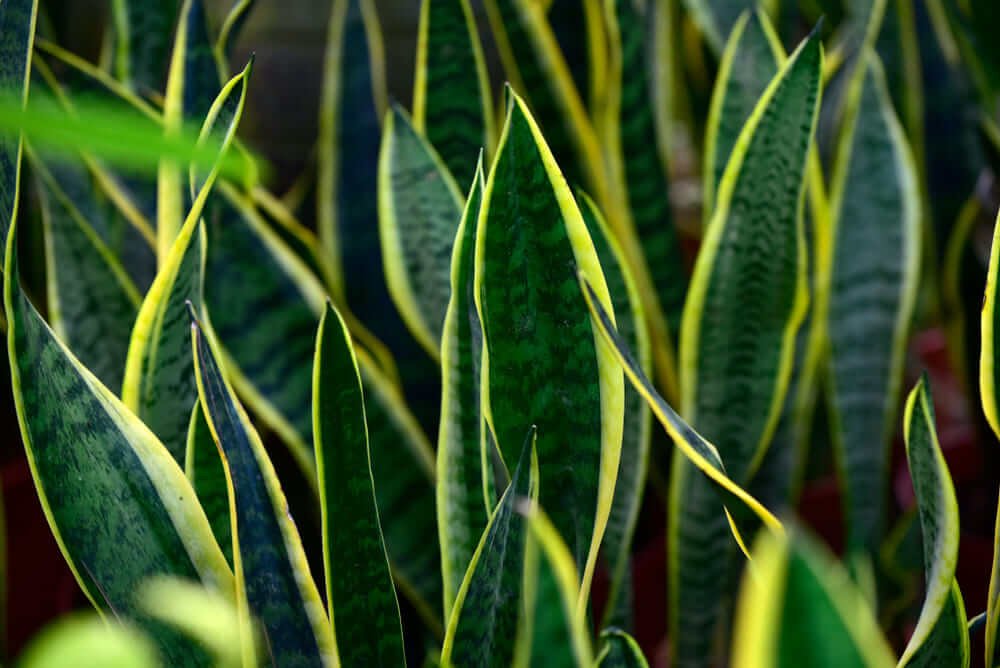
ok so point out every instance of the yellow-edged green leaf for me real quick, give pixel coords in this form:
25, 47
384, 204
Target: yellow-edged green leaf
940, 637
542, 362
620, 650
716, 18
483, 625
207, 474
452, 103
637, 424
273, 581
419, 208
797, 607
641, 216
990, 334
361, 601
87, 641
993, 600
872, 290
143, 29
462, 511
118, 504
232, 26
92, 302
159, 385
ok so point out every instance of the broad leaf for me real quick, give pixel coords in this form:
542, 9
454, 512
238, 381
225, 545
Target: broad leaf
142, 42
87, 641
418, 213
543, 363
272, 575
361, 601
452, 103
620, 650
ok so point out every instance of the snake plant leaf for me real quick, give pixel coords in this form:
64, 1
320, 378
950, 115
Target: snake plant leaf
159, 385
988, 373
207, 474
461, 509
361, 601
642, 219
537, 71
452, 103
273, 580
143, 30
637, 424
873, 283
940, 638
419, 207
483, 626
620, 650
87, 641
116, 501
92, 301
231, 28
579, 31
718, 18
553, 632
543, 363
749, 62
798, 607
993, 601
17, 25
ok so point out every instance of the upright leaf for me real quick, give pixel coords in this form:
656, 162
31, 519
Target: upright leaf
452, 103
143, 29
542, 362
717, 18
159, 385
620, 650
940, 637
272, 575
482, 627
747, 299
873, 283
206, 471
462, 511
361, 601
231, 28
993, 601
418, 213
989, 374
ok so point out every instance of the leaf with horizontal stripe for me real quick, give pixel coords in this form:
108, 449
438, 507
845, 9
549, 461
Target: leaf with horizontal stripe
361, 600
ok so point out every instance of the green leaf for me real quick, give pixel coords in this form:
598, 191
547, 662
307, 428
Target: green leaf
543, 363
17, 25
159, 385
116, 501
462, 511
419, 210
988, 373
273, 580
717, 18
143, 29
360, 597
231, 28
940, 637
452, 103
749, 62
87, 641
205, 470
797, 607
92, 302
747, 299
483, 625
620, 650
872, 290
993, 601
637, 424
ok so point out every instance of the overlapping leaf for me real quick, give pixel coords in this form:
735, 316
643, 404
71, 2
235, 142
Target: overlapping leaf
620, 650
207, 474
142, 42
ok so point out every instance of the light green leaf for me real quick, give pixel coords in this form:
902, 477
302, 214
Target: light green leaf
462, 511
483, 625
637, 425
872, 290
360, 597
988, 373
143, 29
940, 637
993, 601
87, 641
232, 26
797, 607
543, 363
159, 385
717, 18
452, 103
273, 580
204, 469
620, 650
419, 208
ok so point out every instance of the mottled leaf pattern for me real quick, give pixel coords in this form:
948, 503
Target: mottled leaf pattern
17, 26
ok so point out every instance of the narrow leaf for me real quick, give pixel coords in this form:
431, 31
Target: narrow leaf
620, 650
232, 26
17, 25
143, 29
360, 597
717, 18
207, 473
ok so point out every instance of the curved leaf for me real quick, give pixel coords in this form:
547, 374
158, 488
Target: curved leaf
462, 512
273, 582
988, 373
940, 637
620, 650
873, 283
418, 213
143, 29
231, 28
361, 601
452, 103
543, 363
482, 628
717, 18
205, 470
